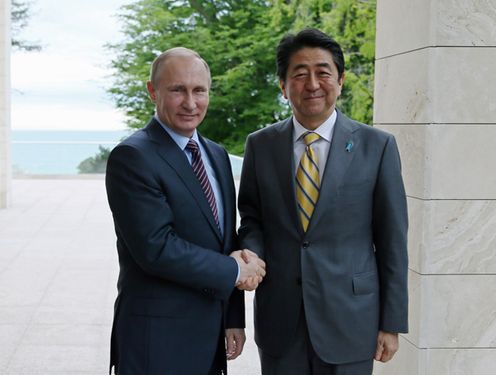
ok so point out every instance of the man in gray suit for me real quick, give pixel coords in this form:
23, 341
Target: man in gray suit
322, 202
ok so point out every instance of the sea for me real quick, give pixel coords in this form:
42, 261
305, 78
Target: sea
59, 152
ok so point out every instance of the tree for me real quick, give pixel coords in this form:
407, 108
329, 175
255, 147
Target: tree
238, 39
233, 36
20, 14
353, 24
97, 163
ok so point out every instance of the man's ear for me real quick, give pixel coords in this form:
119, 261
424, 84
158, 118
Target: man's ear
282, 86
151, 91
340, 83
341, 79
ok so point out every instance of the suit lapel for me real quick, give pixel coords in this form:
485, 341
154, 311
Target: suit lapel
177, 160
283, 147
338, 161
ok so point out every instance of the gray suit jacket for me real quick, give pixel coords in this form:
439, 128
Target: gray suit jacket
350, 268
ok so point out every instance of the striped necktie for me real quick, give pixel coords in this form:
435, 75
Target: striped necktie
307, 180
201, 174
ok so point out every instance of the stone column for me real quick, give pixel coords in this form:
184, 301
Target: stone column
5, 164
435, 89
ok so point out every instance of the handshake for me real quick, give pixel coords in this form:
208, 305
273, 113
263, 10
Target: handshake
251, 269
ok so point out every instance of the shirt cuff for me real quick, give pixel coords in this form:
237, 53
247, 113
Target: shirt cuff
237, 276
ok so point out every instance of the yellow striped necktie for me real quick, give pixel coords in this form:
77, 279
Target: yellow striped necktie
307, 180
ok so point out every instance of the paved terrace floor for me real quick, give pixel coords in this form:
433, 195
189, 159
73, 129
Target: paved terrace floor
58, 271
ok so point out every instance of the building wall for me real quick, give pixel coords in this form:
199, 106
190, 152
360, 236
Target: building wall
435, 90
5, 165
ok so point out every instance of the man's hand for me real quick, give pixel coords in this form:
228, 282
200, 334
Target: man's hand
252, 282
235, 340
387, 345
251, 269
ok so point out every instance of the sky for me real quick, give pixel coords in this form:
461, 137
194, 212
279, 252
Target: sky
63, 86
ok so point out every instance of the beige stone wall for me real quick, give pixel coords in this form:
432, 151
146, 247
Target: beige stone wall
5, 165
436, 91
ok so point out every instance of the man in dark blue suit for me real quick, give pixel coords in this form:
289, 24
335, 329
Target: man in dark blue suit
172, 198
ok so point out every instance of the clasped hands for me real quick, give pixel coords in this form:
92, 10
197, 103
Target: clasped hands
251, 269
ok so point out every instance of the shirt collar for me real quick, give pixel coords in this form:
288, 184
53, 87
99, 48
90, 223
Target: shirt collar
180, 140
324, 130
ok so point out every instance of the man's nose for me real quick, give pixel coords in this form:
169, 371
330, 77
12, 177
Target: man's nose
189, 102
312, 83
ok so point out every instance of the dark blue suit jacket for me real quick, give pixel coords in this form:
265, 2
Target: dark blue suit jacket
175, 279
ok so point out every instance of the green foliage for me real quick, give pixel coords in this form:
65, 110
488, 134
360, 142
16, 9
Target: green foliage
238, 39
95, 164
352, 23
233, 36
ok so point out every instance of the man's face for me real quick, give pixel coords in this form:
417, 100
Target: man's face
312, 86
181, 93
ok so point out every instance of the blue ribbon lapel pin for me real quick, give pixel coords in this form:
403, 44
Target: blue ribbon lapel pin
349, 146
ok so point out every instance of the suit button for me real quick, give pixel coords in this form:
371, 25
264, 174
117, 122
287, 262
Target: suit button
298, 280
306, 244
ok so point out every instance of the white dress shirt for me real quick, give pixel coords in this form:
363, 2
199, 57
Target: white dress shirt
320, 147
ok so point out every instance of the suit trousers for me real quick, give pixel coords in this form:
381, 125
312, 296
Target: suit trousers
301, 359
